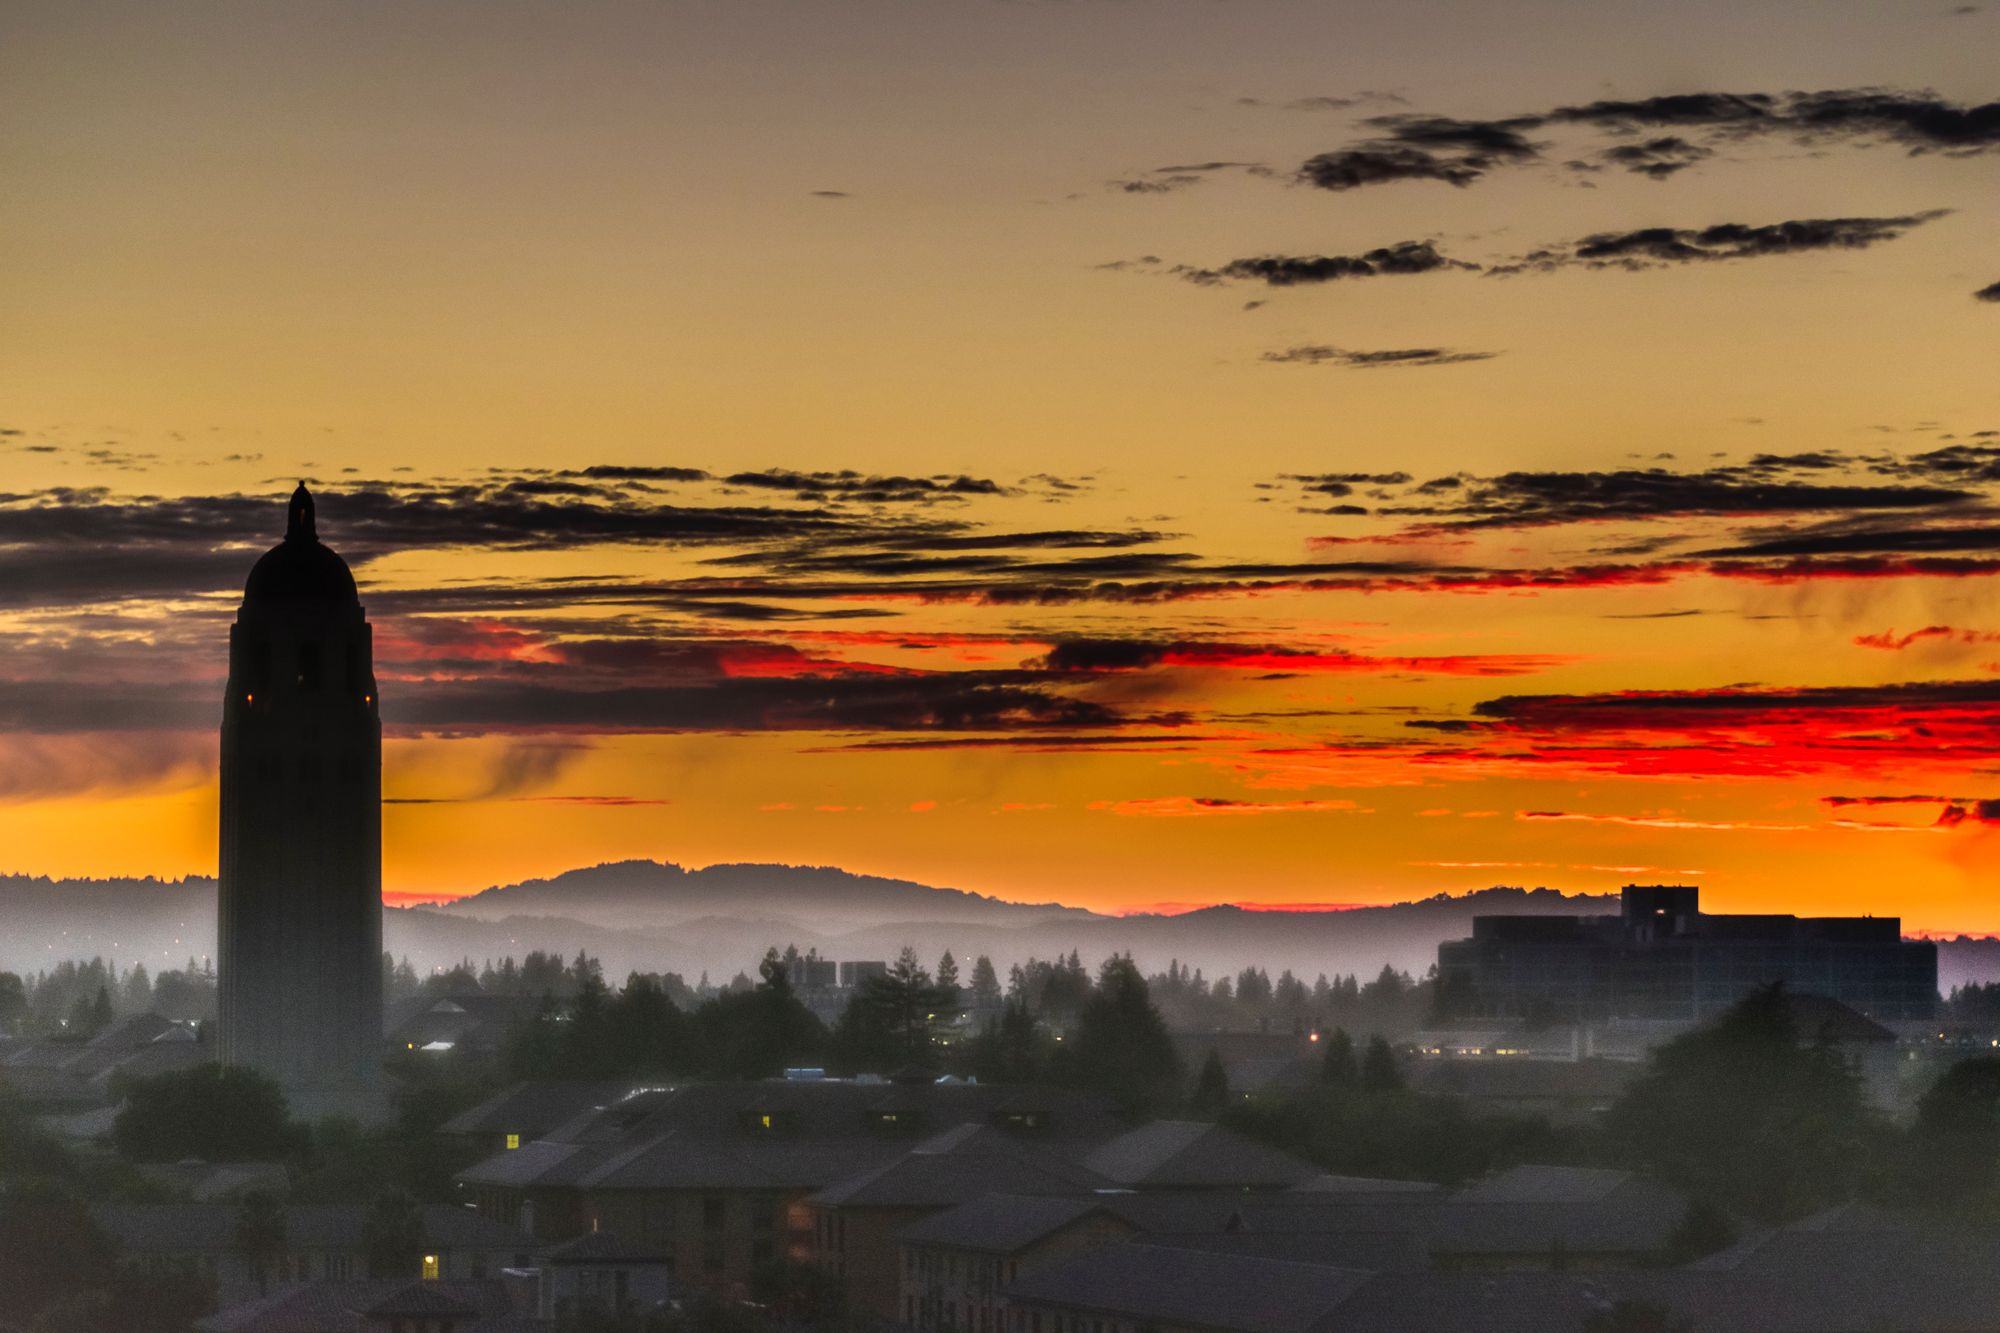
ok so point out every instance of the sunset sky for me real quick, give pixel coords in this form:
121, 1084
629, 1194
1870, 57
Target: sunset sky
1143, 453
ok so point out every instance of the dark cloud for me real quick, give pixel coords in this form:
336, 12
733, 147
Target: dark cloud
67, 545
1661, 247
1532, 499
1657, 158
1406, 257
1460, 152
621, 472
1632, 251
1675, 709
1319, 354
1157, 184
1090, 655
1440, 148
1990, 292
956, 701
1868, 539
1842, 802
865, 487
1363, 98
1680, 109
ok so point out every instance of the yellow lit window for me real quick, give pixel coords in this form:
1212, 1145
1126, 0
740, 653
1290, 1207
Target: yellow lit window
764, 1120
513, 1142
430, 1268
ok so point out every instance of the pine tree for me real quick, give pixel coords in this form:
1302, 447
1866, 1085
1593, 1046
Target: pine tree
1338, 1067
985, 983
1378, 1067
1211, 1087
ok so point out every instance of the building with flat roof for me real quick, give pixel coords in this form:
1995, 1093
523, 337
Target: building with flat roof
1663, 957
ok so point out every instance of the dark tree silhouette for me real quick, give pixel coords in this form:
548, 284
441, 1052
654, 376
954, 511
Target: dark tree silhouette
260, 1236
392, 1236
1954, 1147
50, 1251
1379, 1071
1338, 1067
891, 1020
215, 1113
1121, 1045
1743, 1113
1211, 1086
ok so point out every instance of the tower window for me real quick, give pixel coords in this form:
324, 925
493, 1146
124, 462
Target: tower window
309, 665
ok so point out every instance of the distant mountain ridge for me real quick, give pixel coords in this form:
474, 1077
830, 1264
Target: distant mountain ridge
661, 917
657, 893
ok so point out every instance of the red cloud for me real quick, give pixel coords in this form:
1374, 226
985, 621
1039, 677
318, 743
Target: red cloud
1896, 642
1663, 820
1186, 807
1240, 657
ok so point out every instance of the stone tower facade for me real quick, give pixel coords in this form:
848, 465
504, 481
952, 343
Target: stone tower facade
301, 833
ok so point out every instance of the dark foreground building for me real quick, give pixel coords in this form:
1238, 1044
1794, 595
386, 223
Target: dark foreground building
1662, 957
301, 837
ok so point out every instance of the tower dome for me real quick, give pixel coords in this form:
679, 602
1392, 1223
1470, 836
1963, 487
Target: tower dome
300, 569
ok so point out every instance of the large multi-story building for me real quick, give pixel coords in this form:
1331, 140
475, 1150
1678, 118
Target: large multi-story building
1662, 957
300, 979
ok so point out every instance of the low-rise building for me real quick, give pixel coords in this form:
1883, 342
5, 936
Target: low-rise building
597, 1274
855, 1222
490, 1305
320, 1242
716, 1175
1662, 957
955, 1263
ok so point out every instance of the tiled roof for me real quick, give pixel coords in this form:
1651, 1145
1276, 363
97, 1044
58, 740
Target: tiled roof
162, 1228
336, 1307
765, 1135
1547, 1184
958, 1166
1001, 1223
601, 1247
1190, 1154
1192, 1288
533, 1109
1331, 1184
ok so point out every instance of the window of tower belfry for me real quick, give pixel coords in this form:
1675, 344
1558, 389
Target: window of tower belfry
309, 664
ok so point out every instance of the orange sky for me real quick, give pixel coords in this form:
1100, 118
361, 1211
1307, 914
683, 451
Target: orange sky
871, 435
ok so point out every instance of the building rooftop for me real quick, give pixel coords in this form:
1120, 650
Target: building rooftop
601, 1247
534, 1109
1001, 1223
773, 1134
1548, 1184
961, 1164
178, 1227
1182, 1154
338, 1307
1193, 1288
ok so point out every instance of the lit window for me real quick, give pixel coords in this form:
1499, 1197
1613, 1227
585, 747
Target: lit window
513, 1142
430, 1268
764, 1120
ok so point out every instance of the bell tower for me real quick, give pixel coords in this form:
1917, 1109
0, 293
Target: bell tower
300, 900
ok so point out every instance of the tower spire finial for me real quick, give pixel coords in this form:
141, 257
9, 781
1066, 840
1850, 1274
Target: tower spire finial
299, 517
